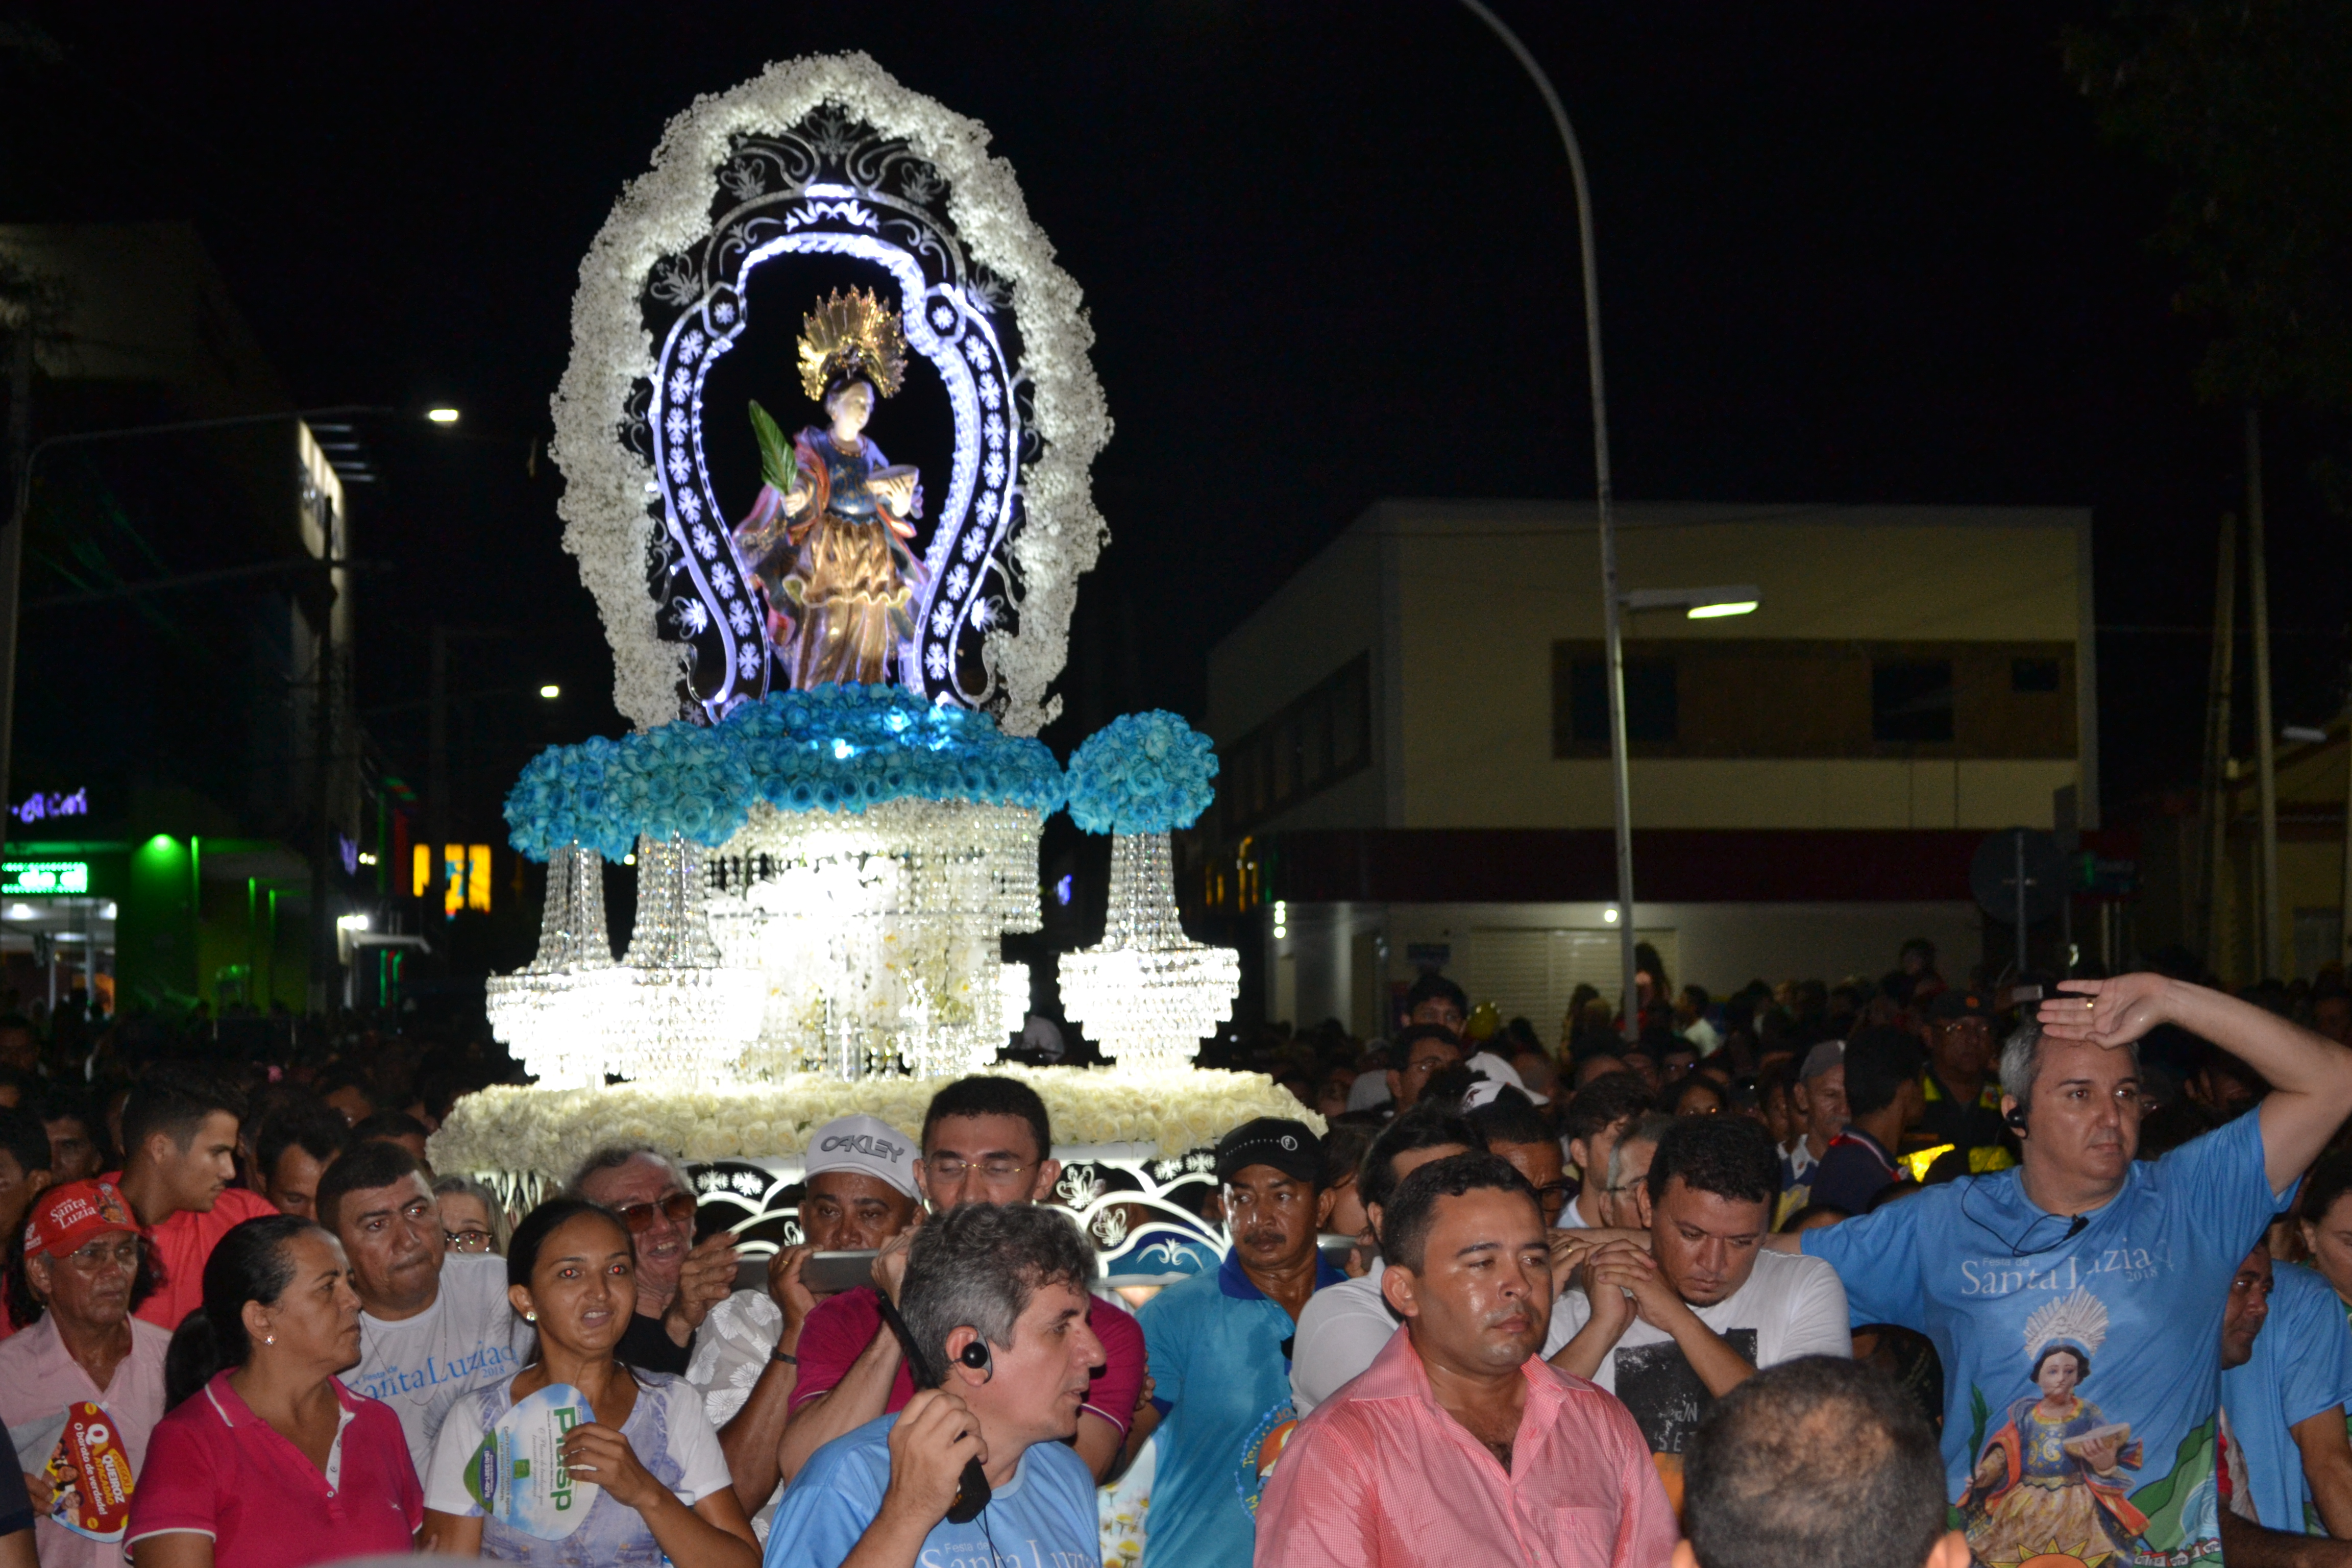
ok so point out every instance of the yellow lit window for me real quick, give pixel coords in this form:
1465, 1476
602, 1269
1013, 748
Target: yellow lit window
467, 869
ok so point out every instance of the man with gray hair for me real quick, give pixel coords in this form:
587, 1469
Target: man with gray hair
993, 1312
678, 1282
2077, 1299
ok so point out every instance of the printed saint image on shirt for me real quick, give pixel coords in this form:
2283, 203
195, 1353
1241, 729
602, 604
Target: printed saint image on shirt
1666, 1396
2053, 1484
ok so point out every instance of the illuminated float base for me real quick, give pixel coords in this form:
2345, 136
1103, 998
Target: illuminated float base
878, 933
1134, 1146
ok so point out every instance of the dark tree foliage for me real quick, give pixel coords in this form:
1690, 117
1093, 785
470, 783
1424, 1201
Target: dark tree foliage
2244, 103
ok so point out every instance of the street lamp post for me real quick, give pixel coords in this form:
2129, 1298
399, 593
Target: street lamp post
1621, 786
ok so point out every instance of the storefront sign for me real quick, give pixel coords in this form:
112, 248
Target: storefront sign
39, 807
44, 878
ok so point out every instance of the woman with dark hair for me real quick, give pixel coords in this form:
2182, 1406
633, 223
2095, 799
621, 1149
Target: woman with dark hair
2326, 1222
266, 1460
664, 1491
1698, 1095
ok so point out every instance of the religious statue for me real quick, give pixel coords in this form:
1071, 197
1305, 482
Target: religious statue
827, 539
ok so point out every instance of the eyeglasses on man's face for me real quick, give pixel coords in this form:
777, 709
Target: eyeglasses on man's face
108, 1251
468, 1240
949, 1169
677, 1208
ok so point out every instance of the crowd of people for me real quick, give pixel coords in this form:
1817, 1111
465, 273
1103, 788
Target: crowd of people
1907, 1273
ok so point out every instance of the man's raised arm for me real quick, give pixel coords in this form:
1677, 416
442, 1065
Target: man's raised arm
2310, 1076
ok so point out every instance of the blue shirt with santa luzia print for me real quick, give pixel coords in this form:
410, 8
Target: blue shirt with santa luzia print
2081, 1363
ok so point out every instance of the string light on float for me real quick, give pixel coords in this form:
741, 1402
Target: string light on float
1281, 919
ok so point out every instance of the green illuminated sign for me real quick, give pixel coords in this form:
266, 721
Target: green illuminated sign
43, 878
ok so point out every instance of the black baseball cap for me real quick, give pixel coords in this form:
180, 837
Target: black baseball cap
1290, 1147
1958, 1002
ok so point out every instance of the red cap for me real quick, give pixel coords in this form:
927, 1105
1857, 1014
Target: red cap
63, 1218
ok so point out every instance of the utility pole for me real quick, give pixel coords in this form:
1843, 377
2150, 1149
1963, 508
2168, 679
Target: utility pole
436, 780
325, 949
2344, 923
436, 761
2219, 680
12, 543
2265, 743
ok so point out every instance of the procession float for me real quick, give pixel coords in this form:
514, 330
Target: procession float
835, 665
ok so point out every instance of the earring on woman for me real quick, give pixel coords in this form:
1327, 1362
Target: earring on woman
270, 1338
531, 1317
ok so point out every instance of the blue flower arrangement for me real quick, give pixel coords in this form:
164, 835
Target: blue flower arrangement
835, 748
1142, 773
684, 779
845, 748
563, 795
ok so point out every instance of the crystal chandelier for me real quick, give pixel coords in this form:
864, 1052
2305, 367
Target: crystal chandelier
1146, 994
548, 1013
674, 1010
879, 932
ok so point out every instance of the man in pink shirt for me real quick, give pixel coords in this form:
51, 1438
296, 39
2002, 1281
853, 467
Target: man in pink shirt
179, 1155
81, 1256
1460, 1444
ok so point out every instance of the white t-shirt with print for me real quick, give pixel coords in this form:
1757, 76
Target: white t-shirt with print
469, 1338
1791, 1305
693, 1443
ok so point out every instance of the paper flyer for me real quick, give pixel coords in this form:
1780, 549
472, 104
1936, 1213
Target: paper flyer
89, 1472
518, 1474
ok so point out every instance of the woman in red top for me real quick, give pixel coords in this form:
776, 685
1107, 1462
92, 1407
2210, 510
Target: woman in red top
266, 1460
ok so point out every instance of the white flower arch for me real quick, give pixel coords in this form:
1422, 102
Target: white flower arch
668, 209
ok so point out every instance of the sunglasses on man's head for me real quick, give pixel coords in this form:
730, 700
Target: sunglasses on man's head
679, 1208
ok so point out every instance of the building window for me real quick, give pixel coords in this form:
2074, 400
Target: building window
1652, 711
1911, 699
1309, 746
2033, 675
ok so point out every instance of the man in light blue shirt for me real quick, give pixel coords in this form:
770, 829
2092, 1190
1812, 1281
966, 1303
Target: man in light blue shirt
2077, 1300
2286, 1378
994, 1305
1220, 1346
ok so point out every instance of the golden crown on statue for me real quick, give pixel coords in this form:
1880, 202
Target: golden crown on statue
852, 333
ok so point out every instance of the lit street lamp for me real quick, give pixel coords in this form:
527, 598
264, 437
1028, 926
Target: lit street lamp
1699, 603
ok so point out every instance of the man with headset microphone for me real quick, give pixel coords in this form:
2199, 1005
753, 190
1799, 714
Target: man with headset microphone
976, 1467
2076, 1300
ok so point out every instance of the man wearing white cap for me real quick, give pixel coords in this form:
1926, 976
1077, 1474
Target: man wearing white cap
860, 1193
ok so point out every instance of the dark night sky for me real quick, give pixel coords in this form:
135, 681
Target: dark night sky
1849, 253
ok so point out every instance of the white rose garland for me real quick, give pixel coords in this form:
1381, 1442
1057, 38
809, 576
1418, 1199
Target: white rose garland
545, 1132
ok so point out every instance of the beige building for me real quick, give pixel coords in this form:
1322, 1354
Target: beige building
1414, 742
2220, 918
